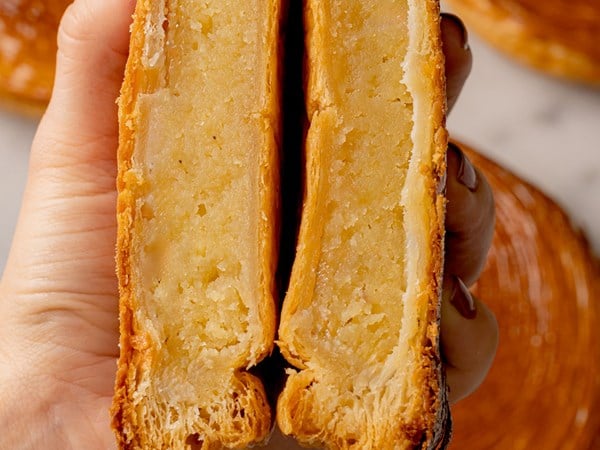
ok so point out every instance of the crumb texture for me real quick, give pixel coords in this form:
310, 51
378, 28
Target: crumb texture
360, 317
196, 188
364, 172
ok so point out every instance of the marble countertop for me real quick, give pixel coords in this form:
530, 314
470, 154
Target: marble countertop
543, 129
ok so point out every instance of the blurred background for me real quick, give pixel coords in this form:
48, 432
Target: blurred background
543, 129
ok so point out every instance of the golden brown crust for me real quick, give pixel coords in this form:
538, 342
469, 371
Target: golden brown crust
269, 169
135, 80
542, 281
297, 413
28, 52
558, 36
135, 350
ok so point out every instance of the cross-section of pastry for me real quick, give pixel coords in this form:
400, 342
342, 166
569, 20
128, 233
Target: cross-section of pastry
197, 184
360, 320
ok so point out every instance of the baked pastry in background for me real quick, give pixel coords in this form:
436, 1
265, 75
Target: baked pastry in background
197, 223
360, 320
543, 391
559, 37
28, 52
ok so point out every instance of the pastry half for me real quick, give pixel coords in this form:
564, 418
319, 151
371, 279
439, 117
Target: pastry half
360, 321
197, 216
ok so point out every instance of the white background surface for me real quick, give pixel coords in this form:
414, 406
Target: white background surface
16, 134
543, 129
546, 130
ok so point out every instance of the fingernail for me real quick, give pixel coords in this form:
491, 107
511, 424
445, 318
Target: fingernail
462, 300
464, 35
466, 175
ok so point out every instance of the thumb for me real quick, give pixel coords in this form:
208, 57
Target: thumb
80, 125
67, 222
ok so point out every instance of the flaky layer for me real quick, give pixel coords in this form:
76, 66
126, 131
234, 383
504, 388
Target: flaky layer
360, 319
197, 223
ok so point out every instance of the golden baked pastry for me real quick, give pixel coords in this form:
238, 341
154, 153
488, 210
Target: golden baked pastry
543, 391
197, 215
28, 52
360, 319
557, 36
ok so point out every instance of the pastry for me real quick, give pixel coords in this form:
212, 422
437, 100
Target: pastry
557, 36
28, 52
360, 321
197, 223
542, 282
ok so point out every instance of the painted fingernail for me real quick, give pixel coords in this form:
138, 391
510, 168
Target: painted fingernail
462, 300
466, 174
464, 35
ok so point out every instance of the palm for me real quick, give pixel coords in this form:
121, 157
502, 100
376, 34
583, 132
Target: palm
60, 320
63, 290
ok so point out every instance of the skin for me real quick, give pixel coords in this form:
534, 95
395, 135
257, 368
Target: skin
468, 345
58, 294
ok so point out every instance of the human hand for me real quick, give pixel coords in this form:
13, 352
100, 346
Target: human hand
58, 295
469, 331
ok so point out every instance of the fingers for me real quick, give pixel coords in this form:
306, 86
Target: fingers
458, 56
469, 332
80, 124
470, 213
470, 218
469, 338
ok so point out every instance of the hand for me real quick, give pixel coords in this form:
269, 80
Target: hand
469, 331
58, 295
